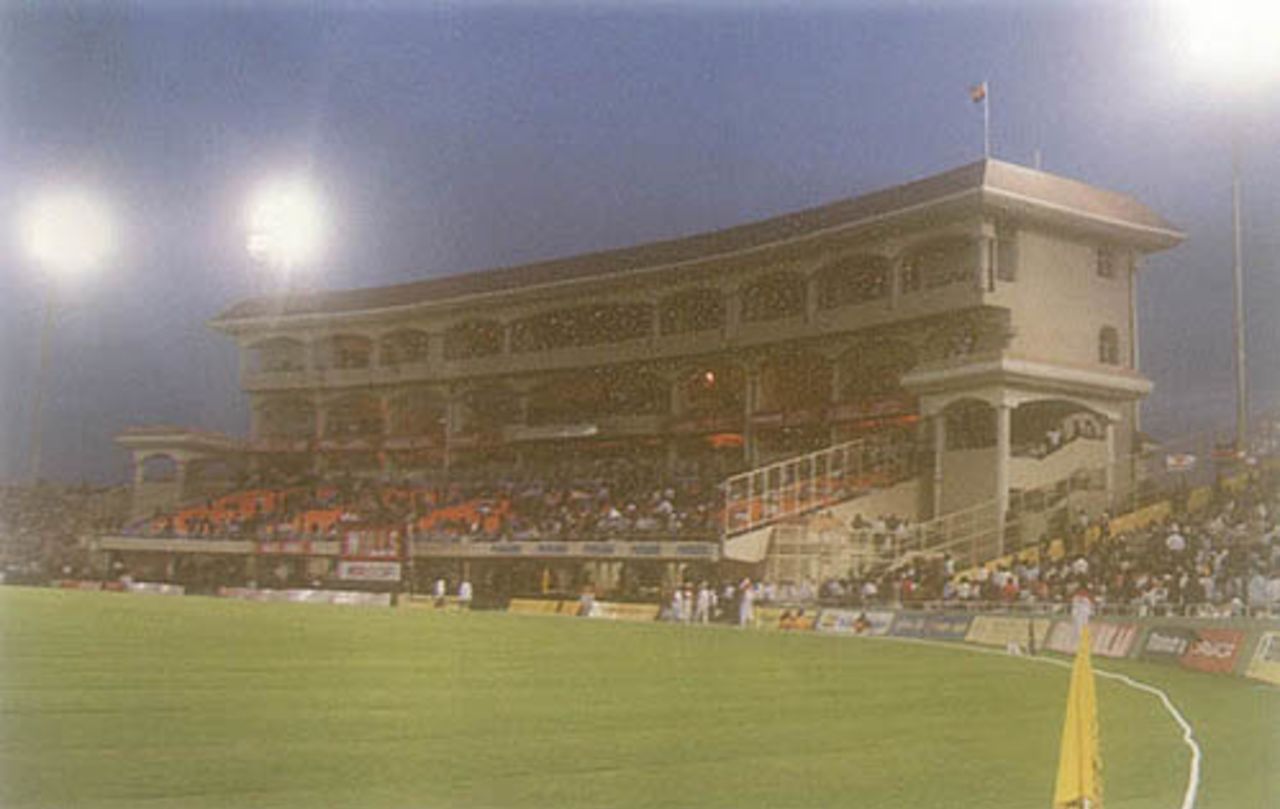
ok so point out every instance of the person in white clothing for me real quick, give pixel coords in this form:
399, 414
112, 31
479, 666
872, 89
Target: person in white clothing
1081, 608
746, 603
702, 608
464, 595
438, 591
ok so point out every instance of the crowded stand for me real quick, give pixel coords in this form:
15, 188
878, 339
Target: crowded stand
605, 500
1221, 559
40, 527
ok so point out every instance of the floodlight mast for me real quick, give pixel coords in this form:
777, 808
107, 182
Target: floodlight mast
1236, 44
67, 234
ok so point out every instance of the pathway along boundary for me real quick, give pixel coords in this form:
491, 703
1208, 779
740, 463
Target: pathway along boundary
1188, 736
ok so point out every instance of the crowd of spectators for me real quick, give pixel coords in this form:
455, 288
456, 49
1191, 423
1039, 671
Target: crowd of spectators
607, 499
40, 527
1222, 559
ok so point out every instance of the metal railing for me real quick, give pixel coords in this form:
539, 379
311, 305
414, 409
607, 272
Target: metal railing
798, 485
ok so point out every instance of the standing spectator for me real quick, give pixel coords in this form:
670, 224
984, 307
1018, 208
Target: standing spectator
464, 594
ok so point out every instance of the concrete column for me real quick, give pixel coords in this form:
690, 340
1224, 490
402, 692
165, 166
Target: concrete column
1110, 431
1003, 418
751, 399
939, 449
986, 274
733, 315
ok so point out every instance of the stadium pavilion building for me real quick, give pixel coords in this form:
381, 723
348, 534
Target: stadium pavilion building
968, 315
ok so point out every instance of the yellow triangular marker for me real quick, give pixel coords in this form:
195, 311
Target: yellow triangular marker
1080, 765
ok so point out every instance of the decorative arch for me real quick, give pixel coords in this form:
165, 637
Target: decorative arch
278, 355
774, 296
691, 310
795, 381
416, 412
403, 347
853, 280
873, 369
472, 339
593, 324
971, 424
356, 415
713, 389
941, 262
341, 352
288, 417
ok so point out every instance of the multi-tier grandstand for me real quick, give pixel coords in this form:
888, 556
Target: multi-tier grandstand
945, 351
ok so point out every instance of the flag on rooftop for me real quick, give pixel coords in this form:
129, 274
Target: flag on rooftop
978, 92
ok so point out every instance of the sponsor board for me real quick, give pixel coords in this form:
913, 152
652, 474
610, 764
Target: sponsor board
998, 630
1167, 644
289, 547
539, 606
346, 597
1106, 639
790, 618
156, 588
349, 570
1265, 664
614, 611
926, 625
78, 584
1214, 650
874, 622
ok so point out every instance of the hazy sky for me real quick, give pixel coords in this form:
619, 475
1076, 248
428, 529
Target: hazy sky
450, 138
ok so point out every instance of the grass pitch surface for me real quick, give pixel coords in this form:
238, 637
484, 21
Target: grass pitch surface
109, 700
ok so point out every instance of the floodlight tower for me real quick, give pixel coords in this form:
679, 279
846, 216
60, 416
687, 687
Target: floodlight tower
1236, 44
67, 234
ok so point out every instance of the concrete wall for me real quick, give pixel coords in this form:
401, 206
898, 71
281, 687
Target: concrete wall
1059, 302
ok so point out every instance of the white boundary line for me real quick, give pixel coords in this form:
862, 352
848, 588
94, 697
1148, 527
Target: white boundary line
1188, 736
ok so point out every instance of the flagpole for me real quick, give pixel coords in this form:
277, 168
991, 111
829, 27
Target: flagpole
986, 119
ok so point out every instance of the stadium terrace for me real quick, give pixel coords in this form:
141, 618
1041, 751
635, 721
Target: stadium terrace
950, 346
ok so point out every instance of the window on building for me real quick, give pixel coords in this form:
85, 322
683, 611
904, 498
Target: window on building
345, 352
279, 355
596, 324
1107, 261
1007, 255
1109, 346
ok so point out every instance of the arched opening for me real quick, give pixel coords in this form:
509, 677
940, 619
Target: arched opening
286, 417
159, 469
1041, 428
595, 324
795, 381
773, 297
417, 413
939, 263
472, 339
714, 390
404, 347
873, 370
342, 352
278, 355
354, 416
489, 406
853, 280
692, 310
970, 424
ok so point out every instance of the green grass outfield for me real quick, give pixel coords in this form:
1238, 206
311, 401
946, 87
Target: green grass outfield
115, 700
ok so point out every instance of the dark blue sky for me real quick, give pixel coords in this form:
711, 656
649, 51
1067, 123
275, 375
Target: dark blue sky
456, 138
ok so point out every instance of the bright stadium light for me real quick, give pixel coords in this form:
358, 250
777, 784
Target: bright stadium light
1234, 45
286, 225
67, 232
1231, 40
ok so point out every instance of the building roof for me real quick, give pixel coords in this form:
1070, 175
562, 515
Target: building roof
1000, 184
